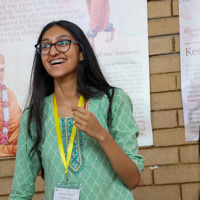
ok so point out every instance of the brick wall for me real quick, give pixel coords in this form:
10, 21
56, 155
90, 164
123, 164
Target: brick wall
171, 164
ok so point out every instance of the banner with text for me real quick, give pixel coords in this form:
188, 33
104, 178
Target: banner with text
118, 35
190, 66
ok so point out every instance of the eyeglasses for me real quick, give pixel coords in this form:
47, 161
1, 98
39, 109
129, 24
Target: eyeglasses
61, 46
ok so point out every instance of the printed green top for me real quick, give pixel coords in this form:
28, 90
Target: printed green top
89, 165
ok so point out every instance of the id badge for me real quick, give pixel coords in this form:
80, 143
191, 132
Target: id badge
66, 191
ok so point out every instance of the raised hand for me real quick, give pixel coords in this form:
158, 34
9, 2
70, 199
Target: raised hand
87, 122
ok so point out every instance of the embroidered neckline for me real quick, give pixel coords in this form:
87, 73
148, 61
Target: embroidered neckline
77, 162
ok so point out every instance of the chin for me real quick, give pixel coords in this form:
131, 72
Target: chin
60, 76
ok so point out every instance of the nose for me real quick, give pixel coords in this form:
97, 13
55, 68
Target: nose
53, 50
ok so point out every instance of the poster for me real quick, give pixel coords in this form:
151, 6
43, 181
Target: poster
190, 66
122, 50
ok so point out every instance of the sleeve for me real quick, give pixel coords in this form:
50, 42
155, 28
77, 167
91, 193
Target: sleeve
26, 169
124, 128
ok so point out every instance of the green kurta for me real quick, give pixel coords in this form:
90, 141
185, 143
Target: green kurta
88, 165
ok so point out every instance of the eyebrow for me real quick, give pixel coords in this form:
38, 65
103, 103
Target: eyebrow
60, 36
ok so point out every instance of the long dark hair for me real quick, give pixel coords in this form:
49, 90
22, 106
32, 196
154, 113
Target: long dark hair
90, 82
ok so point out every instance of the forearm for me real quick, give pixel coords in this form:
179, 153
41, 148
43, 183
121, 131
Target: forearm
124, 167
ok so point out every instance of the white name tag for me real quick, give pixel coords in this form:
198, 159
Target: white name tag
66, 191
66, 194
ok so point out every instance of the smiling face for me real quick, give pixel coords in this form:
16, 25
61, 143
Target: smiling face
2, 68
60, 64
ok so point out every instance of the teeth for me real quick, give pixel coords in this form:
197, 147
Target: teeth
57, 61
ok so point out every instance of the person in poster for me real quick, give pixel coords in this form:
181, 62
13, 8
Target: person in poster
10, 115
99, 12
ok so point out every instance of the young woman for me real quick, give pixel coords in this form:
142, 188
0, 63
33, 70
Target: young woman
100, 158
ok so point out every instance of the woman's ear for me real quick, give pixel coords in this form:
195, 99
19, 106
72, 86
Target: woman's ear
81, 57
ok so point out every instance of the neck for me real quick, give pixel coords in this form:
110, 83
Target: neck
66, 96
65, 91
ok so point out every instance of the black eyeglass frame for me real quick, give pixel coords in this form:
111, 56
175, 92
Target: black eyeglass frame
38, 49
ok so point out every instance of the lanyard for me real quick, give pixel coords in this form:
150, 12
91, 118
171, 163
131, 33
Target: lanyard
59, 137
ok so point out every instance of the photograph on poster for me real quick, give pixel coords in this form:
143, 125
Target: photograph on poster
121, 45
99, 20
10, 115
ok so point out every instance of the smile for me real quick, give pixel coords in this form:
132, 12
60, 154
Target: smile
58, 61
